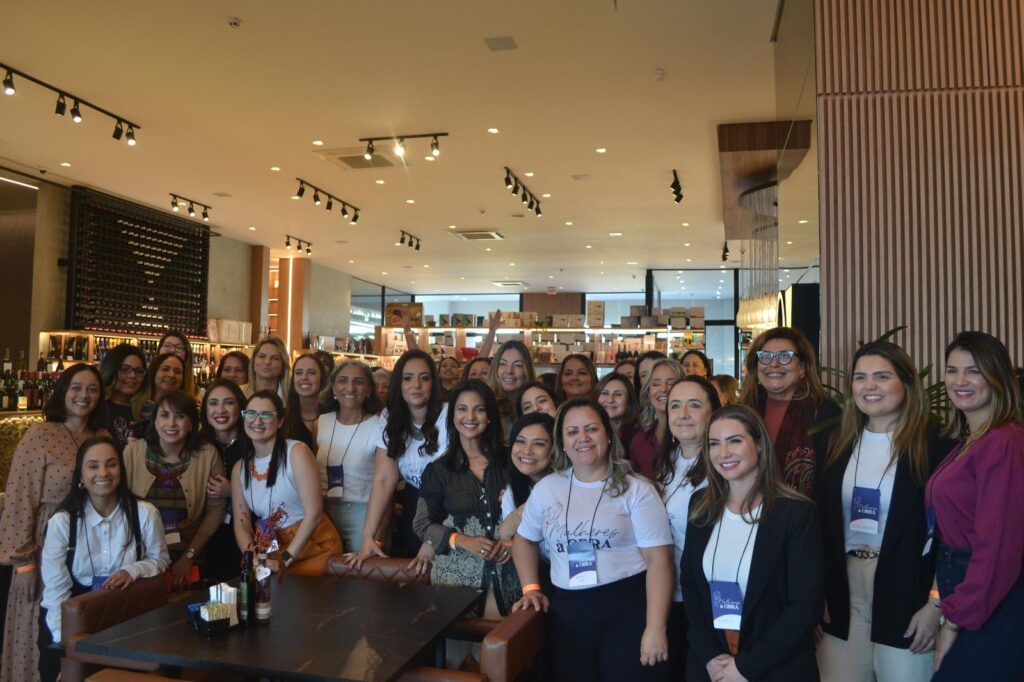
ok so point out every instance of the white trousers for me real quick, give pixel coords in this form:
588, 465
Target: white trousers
858, 659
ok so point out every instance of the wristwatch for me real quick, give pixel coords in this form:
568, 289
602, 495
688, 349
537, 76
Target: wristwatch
190, 553
286, 558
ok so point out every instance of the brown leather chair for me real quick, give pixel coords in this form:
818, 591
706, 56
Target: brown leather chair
385, 569
93, 612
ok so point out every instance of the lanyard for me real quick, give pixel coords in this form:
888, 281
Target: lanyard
350, 439
856, 467
568, 501
680, 473
714, 553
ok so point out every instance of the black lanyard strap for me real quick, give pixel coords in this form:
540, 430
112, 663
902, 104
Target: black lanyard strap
714, 553
856, 466
568, 502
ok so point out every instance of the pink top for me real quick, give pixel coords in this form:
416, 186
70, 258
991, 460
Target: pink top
979, 504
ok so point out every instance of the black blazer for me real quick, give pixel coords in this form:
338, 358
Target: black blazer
781, 607
903, 577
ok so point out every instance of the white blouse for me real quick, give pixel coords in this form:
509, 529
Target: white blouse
353, 447
676, 495
412, 462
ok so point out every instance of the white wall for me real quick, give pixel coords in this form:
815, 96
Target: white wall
329, 300
229, 280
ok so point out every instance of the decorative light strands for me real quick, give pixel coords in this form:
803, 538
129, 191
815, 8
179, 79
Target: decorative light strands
529, 199
192, 203
319, 193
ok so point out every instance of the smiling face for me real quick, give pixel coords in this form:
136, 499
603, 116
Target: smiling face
576, 379
416, 383
536, 399
448, 372
268, 363
172, 427
692, 366
222, 409
470, 415
82, 396
170, 375
511, 370
584, 438
101, 472
234, 370
176, 345
877, 391
531, 451
689, 411
662, 381
350, 388
969, 391
258, 429
478, 370
614, 399
130, 377
778, 379
733, 451
306, 377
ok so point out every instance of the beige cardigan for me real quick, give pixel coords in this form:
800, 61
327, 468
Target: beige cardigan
205, 513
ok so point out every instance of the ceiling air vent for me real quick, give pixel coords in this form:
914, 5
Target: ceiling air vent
351, 158
477, 235
510, 284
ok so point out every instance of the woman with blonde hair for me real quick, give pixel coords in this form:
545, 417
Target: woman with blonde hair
781, 384
510, 370
653, 421
268, 369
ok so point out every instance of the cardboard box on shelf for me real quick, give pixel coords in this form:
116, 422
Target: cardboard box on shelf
559, 321
393, 314
637, 310
630, 321
663, 320
696, 311
575, 320
696, 323
446, 320
595, 313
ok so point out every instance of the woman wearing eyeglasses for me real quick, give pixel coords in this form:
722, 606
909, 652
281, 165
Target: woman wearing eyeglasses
124, 377
278, 473
780, 382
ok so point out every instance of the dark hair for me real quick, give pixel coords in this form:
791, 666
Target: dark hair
588, 365
520, 483
56, 410
277, 455
490, 441
621, 363
649, 355
154, 366
469, 365
293, 424
238, 355
664, 458
178, 401
74, 502
700, 356
326, 359
398, 429
993, 361
111, 365
186, 380
619, 468
539, 385
631, 419
204, 420
329, 401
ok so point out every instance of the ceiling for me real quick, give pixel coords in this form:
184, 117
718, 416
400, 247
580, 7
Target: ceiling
219, 106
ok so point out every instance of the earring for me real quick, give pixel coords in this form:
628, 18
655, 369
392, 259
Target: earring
80, 485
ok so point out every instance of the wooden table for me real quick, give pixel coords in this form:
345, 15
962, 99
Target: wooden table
322, 628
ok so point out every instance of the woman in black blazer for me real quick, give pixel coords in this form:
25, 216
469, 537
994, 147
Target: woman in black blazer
879, 567
755, 545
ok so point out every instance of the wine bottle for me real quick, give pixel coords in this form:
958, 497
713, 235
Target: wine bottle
247, 592
8, 365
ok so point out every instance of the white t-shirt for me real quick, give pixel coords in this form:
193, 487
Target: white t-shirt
676, 495
411, 464
737, 537
871, 457
621, 525
354, 448
263, 500
508, 505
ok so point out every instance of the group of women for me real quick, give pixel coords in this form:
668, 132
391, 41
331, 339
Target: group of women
675, 532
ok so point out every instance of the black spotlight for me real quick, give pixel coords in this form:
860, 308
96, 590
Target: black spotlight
355, 218
206, 215
368, 155
417, 244
130, 136
118, 130
316, 197
330, 203
302, 189
62, 105
191, 210
508, 179
76, 113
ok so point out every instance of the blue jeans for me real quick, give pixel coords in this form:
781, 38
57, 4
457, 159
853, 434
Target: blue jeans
996, 650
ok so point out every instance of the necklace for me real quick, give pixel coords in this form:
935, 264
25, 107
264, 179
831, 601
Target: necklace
72, 435
255, 474
309, 421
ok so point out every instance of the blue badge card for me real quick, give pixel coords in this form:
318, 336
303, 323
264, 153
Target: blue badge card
582, 564
929, 515
335, 481
726, 604
171, 531
98, 580
864, 509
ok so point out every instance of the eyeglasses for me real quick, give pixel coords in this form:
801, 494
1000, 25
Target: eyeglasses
784, 357
169, 347
250, 415
128, 370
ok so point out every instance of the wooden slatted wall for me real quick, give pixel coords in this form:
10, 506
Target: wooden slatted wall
921, 186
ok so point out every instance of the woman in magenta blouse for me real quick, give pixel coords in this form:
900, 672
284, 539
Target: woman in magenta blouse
977, 497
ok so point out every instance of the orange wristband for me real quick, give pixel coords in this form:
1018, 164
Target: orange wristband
25, 568
451, 540
532, 587
934, 594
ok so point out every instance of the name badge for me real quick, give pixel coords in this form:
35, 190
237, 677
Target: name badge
582, 564
929, 515
171, 532
726, 605
864, 509
335, 481
98, 580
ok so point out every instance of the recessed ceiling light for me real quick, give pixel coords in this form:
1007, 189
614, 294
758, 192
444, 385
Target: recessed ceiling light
721, 281
383, 273
318, 143
412, 281
689, 260
528, 174
631, 262
785, 270
425, 265
614, 234
351, 261
588, 246
275, 168
679, 271
379, 182
721, 266
546, 195
686, 243
780, 257
399, 244
428, 158
602, 272
451, 227
569, 223
493, 131
600, 150
789, 243
296, 197
512, 265
252, 228
487, 249
601, 263
65, 164
561, 288
802, 222
551, 276
410, 201
686, 224
462, 278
